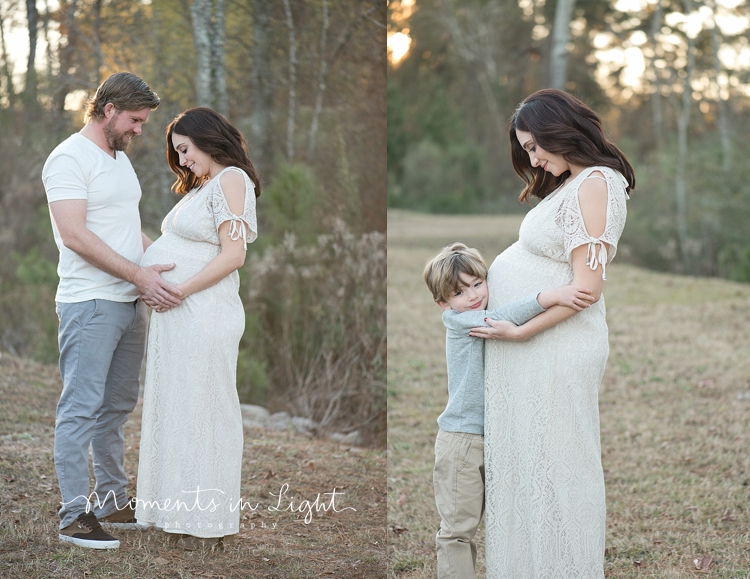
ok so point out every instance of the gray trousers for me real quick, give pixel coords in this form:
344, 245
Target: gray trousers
458, 480
101, 349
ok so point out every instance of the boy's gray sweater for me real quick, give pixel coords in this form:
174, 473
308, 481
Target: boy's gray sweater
465, 356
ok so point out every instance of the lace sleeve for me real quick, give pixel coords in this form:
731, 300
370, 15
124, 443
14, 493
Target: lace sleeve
243, 226
570, 220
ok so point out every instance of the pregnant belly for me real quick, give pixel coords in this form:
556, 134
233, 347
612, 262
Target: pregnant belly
517, 272
187, 255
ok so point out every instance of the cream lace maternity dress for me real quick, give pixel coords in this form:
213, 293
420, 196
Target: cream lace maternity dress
545, 508
191, 438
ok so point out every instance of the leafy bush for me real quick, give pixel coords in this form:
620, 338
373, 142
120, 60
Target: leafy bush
442, 180
320, 316
291, 202
27, 304
718, 210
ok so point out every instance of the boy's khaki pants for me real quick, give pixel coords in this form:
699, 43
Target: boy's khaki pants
458, 479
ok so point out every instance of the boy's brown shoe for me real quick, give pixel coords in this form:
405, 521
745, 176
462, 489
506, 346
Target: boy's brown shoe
86, 531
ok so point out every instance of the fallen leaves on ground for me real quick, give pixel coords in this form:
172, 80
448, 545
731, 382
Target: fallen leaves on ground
703, 563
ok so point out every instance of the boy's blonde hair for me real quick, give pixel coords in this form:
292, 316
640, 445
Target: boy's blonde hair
442, 272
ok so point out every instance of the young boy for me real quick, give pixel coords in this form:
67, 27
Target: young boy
457, 278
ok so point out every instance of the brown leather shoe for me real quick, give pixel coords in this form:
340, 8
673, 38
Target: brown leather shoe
86, 531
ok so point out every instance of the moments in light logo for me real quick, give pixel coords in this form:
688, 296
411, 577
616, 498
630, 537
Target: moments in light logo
212, 500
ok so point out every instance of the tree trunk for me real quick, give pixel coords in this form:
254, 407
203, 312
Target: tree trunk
47, 43
10, 89
99, 56
292, 82
473, 48
261, 147
326, 64
30, 87
656, 102
560, 37
322, 73
682, 144
723, 124
218, 60
201, 13
66, 53
349, 32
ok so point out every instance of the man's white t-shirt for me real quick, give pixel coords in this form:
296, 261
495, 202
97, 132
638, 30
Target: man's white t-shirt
80, 169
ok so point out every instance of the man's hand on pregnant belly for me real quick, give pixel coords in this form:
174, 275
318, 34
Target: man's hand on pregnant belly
156, 292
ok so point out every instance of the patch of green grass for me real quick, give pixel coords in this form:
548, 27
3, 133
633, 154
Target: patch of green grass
407, 564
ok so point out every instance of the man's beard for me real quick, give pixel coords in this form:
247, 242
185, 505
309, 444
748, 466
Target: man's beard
117, 141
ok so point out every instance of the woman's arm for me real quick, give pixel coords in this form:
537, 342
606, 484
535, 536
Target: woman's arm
232, 255
592, 197
583, 275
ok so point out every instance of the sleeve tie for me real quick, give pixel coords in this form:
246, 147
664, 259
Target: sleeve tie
593, 260
237, 229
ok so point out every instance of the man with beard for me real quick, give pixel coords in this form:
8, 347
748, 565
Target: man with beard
93, 194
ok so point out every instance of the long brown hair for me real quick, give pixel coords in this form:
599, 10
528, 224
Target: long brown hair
213, 135
562, 125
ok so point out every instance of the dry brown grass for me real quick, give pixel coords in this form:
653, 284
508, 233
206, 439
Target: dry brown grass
675, 410
347, 544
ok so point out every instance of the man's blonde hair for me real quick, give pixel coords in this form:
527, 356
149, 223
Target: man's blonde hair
442, 272
126, 91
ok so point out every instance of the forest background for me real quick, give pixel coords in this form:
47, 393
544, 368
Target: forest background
305, 83
670, 79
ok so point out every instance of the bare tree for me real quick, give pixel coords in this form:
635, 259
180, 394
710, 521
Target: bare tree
683, 121
201, 12
30, 87
321, 81
327, 63
218, 62
476, 41
292, 82
723, 123
47, 40
656, 103
262, 88
560, 37
69, 10
7, 66
209, 39
99, 55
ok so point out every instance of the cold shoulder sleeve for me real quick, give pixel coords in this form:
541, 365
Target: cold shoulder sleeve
570, 220
243, 226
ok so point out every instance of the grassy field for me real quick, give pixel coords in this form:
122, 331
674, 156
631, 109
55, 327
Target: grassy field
674, 405
346, 544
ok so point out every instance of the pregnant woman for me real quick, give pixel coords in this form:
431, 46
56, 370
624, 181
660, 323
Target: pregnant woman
191, 439
545, 502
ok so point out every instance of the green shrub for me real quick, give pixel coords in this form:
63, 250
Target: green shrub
27, 304
321, 327
442, 180
290, 203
